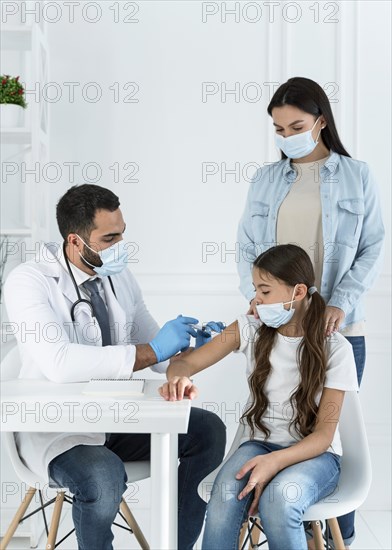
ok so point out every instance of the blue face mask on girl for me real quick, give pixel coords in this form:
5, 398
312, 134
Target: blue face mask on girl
114, 259
275, 315
299, 145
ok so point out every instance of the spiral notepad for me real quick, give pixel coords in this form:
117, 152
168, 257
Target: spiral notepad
115, 386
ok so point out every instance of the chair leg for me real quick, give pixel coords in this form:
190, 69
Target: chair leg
54, 524
134, 525
336, 534
255, 531
17, 517
244, 530
317, 535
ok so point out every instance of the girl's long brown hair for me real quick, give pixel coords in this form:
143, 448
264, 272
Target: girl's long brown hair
290, 264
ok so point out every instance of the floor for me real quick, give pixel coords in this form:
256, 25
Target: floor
373, 533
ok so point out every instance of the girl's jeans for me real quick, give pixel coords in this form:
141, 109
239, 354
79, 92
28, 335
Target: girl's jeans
282, 503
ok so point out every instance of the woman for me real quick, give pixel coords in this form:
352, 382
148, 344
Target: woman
296, 377
320, 198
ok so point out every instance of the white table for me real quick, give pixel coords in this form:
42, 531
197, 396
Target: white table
36, 405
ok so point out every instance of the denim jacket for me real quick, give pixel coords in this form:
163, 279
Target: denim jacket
353, 230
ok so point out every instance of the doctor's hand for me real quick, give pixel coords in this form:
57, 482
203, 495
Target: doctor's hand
204, 336
252, 309
173, 337
263, 468
177, 388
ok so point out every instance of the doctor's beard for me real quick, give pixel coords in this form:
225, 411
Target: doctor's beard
89, 256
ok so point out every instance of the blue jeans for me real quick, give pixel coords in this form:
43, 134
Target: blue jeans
359, 349
346, 522
282, 502
96, 477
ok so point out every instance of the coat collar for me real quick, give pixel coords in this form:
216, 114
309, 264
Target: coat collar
52, 264
49, 264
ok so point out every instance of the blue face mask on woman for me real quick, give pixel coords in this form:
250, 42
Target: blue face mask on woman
299, 145
114, 259
275, 315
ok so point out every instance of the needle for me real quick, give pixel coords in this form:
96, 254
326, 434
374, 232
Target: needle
203, 328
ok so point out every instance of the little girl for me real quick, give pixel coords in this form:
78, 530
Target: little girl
290, 457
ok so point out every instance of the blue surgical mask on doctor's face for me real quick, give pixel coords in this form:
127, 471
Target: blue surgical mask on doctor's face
114, 259
275, 315
299, 145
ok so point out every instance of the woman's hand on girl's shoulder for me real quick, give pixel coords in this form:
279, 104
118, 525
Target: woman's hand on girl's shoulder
177, 388
334, 317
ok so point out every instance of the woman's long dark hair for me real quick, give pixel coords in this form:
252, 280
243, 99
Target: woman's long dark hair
290, 264
307, 95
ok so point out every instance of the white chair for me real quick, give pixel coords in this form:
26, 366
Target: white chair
136, 471
354, 482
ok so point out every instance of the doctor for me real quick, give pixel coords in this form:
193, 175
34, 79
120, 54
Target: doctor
82, 315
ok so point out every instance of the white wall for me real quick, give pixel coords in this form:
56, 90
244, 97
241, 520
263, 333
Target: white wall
170, 132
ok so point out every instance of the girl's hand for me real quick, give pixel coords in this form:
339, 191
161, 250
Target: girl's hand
177, 388
252, 309
334, 317
264, 468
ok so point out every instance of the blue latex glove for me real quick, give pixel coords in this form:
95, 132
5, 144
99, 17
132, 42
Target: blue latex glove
204, 336
173, 337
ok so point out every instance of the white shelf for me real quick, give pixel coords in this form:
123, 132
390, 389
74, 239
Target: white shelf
25, 207
15, 135
18, 231
16, 37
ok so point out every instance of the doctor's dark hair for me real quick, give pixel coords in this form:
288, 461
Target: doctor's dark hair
76, 209
291, 265
307, 95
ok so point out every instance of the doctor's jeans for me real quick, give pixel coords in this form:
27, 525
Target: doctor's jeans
96, 476
282, 503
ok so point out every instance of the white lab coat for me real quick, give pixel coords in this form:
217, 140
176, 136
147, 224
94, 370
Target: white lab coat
38, 296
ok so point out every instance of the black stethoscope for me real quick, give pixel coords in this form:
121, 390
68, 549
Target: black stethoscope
80, 300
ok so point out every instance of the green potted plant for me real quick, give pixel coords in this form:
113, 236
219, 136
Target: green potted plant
12, 100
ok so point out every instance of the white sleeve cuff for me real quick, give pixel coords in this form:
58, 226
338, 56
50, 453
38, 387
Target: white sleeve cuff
126, 370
